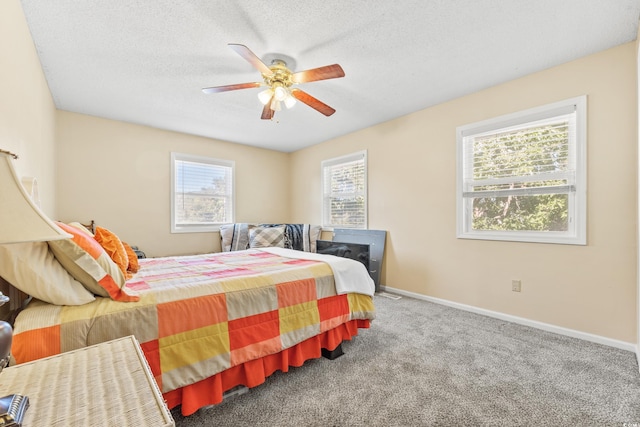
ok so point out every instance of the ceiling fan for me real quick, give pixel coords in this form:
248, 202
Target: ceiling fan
279, 79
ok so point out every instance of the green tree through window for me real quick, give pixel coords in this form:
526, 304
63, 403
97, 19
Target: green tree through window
205, 205
524, 153
202, 193
522, 176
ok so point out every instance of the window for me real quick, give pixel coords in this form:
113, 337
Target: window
522, 177
201, 193
344, 191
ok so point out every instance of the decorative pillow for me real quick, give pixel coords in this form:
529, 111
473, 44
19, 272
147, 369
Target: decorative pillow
84, 259
301, 237
114, 248
235, 237
32, 268
133, 265
266, 237
315, 231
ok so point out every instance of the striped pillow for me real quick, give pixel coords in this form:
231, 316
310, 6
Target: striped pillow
234, 237
84, 258
32, 268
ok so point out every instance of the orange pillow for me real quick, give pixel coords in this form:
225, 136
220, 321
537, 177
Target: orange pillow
114, 248
133, 266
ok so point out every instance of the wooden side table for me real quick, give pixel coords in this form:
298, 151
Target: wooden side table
105, 384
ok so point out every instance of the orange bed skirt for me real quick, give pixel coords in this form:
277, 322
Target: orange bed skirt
253, 373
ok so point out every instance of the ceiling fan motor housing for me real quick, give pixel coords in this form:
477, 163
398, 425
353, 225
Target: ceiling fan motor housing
281, 75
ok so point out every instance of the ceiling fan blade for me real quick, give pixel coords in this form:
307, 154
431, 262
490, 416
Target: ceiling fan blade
312, 102
322, 73
251, 57
227, 88
267, 112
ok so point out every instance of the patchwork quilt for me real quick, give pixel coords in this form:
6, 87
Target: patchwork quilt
200, 315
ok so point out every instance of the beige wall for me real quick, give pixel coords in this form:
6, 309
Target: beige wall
412, 178
118, 174
27, 112
638, 192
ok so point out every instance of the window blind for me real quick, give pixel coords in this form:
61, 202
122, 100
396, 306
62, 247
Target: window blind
203, 192
345, 191
521, 160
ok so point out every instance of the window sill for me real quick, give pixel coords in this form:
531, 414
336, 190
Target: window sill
524, 237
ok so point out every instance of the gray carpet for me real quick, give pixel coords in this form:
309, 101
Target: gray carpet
423, 364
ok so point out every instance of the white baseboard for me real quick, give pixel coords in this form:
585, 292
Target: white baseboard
522, 321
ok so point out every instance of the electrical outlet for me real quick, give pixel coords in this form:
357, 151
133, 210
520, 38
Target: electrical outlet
516, 285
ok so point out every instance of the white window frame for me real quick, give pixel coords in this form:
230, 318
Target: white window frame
208, 227
326, 205
577, 201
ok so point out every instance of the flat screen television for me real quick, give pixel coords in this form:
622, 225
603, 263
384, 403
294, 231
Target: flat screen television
356, 251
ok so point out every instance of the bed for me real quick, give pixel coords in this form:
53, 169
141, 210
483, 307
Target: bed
209, 323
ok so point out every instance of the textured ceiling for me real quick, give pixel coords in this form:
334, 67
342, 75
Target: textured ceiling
145, 61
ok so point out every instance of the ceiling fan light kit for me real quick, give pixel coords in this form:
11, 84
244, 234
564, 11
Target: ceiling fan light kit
265, 96
279, 79
278, 92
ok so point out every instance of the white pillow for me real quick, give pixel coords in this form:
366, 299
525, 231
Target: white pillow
33, 269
